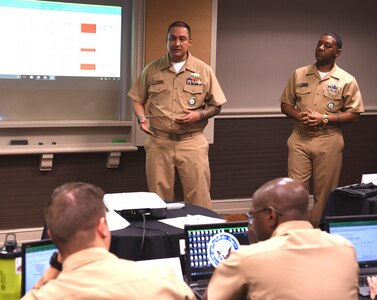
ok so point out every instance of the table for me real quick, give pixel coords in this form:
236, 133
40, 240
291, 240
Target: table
160, 240
340, 203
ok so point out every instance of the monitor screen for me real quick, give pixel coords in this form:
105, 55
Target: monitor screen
208, 244
361, 231
35, 261
60, 60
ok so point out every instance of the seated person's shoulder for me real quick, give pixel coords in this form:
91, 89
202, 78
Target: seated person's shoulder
335, 239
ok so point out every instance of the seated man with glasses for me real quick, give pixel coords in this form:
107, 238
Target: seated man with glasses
288, 258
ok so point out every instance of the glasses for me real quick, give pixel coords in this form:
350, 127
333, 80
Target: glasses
251, 214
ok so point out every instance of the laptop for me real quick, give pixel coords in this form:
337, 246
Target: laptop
361, 231
35, 261
206, 246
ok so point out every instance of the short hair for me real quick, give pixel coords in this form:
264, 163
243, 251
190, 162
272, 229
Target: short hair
337, 37
179, 24
73, 208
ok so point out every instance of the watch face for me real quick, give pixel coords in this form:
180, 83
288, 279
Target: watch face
220, 246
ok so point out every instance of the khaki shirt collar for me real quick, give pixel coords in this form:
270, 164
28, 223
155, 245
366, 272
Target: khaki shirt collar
86, 256
284, 228
166, 63
312, 70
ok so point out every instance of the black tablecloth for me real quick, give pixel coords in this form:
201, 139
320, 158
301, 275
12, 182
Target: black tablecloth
342, 203
160, 240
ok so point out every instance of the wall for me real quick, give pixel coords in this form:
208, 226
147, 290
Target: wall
261, 42
246, 153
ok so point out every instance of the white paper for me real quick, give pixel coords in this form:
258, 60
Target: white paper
367, 178
115, 221
180, 222
173, 262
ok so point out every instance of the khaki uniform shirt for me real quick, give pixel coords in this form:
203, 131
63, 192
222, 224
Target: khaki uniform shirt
165, 94
337, 92
95, 273
297, 262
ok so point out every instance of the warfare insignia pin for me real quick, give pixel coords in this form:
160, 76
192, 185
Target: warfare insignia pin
192, 101
330, 105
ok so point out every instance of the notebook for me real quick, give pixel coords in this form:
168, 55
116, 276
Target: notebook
35, 261
361, 231
206, 246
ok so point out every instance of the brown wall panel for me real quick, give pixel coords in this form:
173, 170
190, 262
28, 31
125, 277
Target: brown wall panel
246, 153
161, 13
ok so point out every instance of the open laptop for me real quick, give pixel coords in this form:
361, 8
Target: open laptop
35, 261
361, 231
206, 246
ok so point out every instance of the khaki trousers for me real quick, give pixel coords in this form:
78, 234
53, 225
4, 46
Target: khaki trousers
318, 157
189, 157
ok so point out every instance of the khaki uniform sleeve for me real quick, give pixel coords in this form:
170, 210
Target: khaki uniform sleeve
168, 286
352, 98
288, 95
216, 96
139, 90
228, 281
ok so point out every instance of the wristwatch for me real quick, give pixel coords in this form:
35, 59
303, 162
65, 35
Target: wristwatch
325, 119
140, 118
54, 261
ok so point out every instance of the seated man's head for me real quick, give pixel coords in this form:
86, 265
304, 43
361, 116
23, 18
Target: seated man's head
275, 202
75, 216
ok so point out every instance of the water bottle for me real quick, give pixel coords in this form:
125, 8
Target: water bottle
10, 269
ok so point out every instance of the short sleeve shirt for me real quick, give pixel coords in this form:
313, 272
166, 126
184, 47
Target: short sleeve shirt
165, 93
297, 262
337, 92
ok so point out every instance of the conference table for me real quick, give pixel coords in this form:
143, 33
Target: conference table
342, 202
155, 239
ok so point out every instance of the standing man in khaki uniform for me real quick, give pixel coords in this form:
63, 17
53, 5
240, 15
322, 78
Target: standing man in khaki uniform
179, 93
320, 98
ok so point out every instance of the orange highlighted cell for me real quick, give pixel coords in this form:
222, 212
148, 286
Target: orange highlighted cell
88, 49
87, 66
88, 28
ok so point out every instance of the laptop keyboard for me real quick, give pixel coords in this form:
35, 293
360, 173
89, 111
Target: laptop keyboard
363, 285
363, 281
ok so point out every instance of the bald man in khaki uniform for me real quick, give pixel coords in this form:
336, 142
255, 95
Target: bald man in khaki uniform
289, 259
179, 93
320, 98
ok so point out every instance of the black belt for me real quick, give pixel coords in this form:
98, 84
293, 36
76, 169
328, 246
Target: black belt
175, 136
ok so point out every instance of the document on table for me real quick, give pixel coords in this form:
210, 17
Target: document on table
180, 222
366, 178
115, 221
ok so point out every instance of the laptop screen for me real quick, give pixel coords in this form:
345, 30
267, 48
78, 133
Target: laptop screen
208, 244
361, 231
35, 261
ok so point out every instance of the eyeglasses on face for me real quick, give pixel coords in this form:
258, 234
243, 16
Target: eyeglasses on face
251, 214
